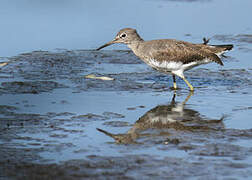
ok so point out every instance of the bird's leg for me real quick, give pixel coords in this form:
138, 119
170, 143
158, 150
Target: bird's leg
181, 75
174, 82
188, 84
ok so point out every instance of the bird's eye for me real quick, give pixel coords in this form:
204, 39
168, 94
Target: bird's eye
123, 35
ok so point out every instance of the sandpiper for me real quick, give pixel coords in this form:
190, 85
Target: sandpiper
170, 56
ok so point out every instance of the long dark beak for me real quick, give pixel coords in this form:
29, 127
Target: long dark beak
107, 44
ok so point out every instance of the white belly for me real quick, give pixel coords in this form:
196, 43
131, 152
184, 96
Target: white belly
170, 66
165, 65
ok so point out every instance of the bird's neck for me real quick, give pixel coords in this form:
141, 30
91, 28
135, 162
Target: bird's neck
134, 46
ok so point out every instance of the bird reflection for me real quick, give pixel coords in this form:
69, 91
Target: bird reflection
172, 116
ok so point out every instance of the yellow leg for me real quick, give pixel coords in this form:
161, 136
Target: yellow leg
174, 82
188, 84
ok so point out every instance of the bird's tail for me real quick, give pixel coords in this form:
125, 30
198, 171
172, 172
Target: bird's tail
225, 47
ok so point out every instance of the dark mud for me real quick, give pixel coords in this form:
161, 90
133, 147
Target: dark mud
45, 71
131, 167
50, 113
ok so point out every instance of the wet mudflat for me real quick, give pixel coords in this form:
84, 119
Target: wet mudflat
58, 124
84, 114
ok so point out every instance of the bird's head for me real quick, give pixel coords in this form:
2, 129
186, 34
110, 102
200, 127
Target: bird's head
125, 36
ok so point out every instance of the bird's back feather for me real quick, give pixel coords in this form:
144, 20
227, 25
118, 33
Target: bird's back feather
177, 51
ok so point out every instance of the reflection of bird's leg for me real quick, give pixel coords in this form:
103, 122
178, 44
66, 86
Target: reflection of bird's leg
185, 101
173, 98
180, 106
174, 82
188, 97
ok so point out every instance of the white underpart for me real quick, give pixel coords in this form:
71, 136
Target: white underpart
164, 119
220, 53
175, 115
176, 68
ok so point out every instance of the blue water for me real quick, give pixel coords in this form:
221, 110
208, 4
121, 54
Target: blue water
46, 25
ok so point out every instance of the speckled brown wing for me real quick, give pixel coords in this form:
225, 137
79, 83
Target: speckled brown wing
214, 48
179, 51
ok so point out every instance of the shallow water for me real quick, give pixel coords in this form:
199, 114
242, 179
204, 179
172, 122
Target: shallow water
46, 25
49, 111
